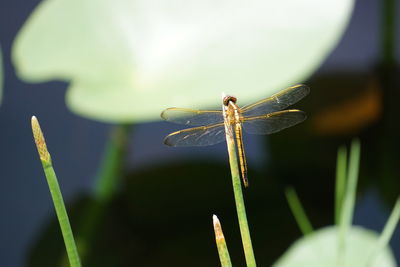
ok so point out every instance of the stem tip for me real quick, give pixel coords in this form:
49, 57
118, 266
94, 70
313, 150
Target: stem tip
217, 228
39, 140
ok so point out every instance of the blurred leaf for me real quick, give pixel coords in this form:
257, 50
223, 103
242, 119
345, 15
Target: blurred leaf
127, 60
320, 249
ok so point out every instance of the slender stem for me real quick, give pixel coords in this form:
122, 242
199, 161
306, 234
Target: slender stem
340, 182
223, 252
346, 216
237, 190
107, 182
390, 226
298, 212
110, 172
387, 233
351, 187
56, 195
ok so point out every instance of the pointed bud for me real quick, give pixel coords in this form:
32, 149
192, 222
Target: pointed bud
40, 142
219, 235
221, 244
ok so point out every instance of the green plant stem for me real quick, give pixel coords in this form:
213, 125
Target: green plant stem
351, 187
390, 226
56, 195
237, 190
223, 252
107, 182
240, 207
62, 216
298, 212
346, 216
387, 233
341, 170
110, 171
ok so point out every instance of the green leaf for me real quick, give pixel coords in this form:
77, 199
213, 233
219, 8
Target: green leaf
320, 249
128, 60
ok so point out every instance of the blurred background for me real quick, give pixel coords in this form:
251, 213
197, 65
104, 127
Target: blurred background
161, 210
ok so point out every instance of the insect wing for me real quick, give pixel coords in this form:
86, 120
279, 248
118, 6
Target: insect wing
277, 102
192, 117
273, 122
198, 136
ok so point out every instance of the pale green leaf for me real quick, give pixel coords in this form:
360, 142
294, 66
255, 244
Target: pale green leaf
321, 249
127, 60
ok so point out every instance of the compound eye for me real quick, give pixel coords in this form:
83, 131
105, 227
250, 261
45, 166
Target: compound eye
228, 99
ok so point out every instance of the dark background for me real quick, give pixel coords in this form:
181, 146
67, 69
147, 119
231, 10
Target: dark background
77, 144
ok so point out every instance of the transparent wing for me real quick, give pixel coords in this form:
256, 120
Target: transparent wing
198, 136
277, 102
273, 122
193, 117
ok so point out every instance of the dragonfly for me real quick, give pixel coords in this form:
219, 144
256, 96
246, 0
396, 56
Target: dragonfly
265, 116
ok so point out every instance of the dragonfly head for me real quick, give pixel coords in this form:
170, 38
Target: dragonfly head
228, 99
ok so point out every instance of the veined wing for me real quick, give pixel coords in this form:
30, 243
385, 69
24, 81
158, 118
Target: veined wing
273, 122
193, 117
277, 101
198, 136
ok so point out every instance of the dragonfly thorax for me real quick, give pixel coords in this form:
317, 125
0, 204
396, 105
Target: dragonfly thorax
233, 113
